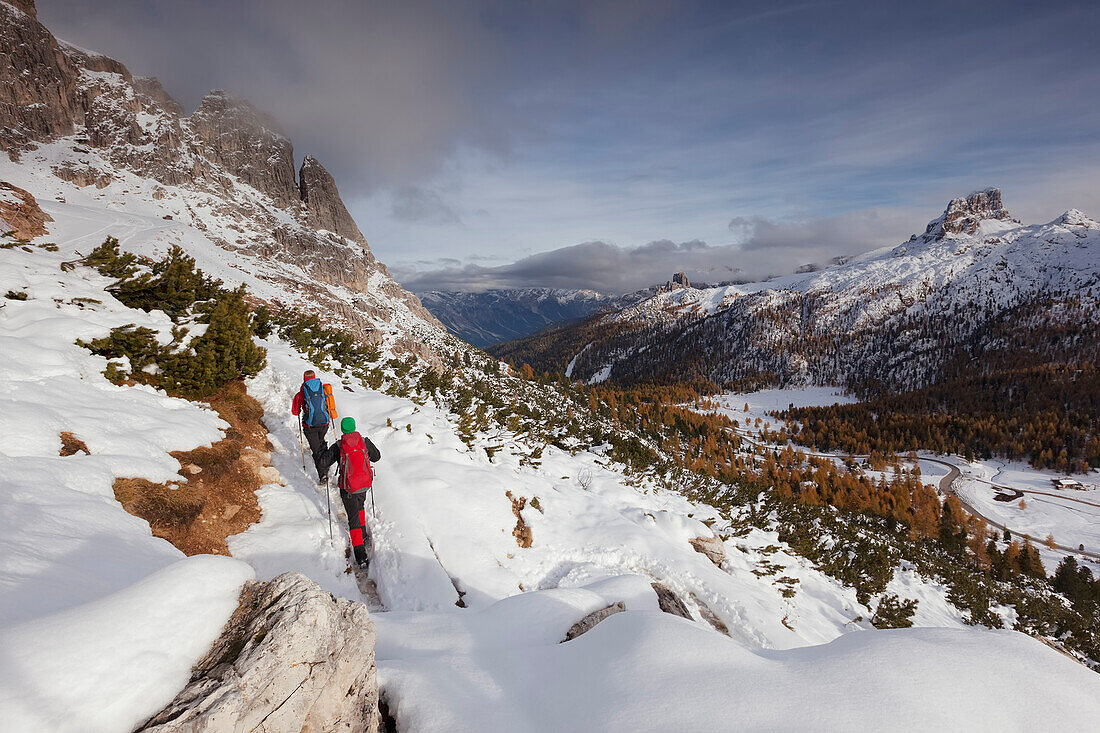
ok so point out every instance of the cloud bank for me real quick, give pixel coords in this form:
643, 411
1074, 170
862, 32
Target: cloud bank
764, 248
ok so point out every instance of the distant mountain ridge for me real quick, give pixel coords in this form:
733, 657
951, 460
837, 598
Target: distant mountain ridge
493, 316
976, 288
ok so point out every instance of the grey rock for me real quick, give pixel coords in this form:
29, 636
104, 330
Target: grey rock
38, 93
292, 658
150, 86
326, 208
589, 622
669, 602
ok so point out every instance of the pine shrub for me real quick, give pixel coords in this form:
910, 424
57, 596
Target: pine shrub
893, 613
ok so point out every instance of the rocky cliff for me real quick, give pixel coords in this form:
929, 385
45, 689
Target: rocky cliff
227, 170
325, 208
246, 143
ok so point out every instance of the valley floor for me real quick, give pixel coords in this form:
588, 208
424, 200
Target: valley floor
1071, 516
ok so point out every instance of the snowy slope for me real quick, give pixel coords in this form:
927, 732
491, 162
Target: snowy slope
100, 622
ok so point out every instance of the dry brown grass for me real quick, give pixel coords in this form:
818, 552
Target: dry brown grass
522, 532
218, 497
71, 445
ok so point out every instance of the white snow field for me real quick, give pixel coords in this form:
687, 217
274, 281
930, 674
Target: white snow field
100, 622
765, 401
1072, 516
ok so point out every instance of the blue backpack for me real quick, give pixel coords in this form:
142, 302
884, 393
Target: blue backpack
314, 413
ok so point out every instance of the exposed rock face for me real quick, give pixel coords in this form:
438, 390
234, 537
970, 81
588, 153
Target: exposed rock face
680, 280
963, 215
669, 602
38, 93
712, 547
27, 6
151, 87
248, 144
292, 658
19, 212
326, 208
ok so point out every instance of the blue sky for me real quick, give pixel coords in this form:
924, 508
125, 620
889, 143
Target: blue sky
745, 139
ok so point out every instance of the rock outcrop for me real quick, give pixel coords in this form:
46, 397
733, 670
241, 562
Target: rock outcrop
669, 602
38, 91
20, 212
326, 208
963, 215
292, 658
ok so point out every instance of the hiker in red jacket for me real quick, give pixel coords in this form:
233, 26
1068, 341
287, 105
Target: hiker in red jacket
353, 455
309, 406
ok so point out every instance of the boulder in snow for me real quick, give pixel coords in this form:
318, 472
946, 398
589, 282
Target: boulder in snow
669, 602
588, 622
712, 547
292, 657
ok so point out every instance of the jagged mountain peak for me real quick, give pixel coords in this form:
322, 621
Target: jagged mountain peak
1076, 218
963, 215
77, 124
322, 200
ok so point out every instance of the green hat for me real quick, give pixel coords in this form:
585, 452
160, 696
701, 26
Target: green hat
347, 425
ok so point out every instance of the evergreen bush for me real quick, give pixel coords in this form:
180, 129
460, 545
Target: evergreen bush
893, 613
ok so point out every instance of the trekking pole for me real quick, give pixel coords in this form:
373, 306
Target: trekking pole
330, 404
301, 441
374, 477
328, 503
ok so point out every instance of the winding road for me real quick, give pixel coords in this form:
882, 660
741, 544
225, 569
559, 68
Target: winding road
947, 486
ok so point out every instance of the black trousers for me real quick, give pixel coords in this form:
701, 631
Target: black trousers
315, 436
354, 505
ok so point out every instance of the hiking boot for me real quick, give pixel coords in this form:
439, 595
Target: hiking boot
361, 555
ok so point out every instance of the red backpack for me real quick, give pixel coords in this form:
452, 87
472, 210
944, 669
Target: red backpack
355, 469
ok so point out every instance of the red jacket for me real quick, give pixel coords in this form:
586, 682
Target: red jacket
296, 405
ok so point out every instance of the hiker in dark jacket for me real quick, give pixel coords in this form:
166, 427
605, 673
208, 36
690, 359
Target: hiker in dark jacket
309, 406
353, 455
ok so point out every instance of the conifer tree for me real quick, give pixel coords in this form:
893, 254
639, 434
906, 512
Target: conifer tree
894, 613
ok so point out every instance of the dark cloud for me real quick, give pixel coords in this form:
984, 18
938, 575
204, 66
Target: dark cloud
423, 206
767, 248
